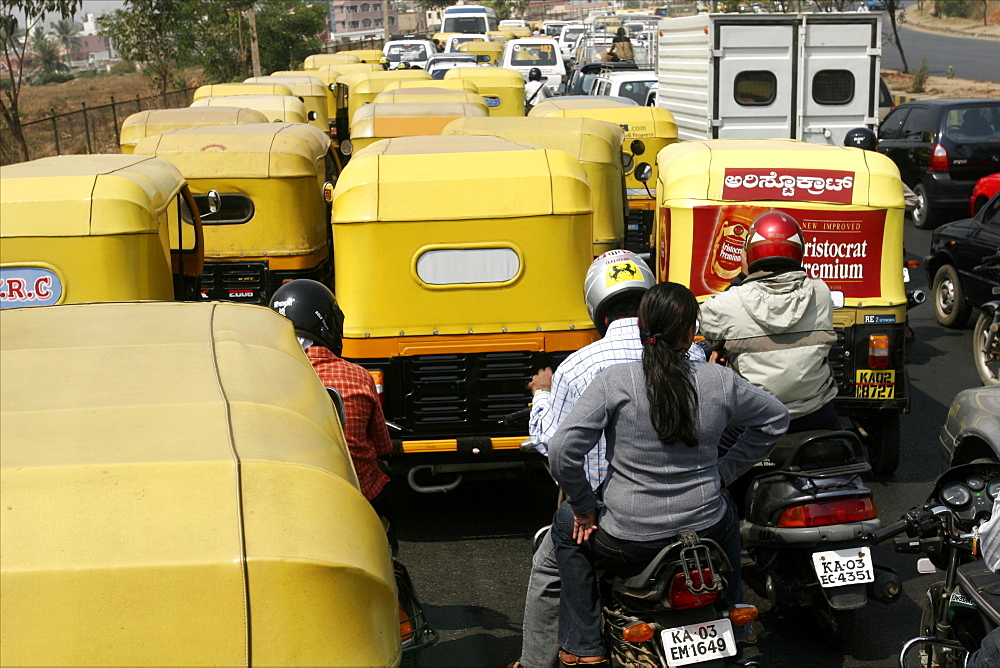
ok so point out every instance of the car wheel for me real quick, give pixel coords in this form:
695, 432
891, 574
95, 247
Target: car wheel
923, 214
986, 350
950, 307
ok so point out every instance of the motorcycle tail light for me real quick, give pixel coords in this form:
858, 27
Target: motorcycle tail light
939, 159
742, 614
843, 511
378, 377
878, 351
682, 598
405, 624
640, 632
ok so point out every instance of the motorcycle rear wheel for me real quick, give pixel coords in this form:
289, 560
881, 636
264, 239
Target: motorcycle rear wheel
836, 627
986, 350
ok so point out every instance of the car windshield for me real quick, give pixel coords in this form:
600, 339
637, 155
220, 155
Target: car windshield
636, 90
533, 55
405, 53
572, 35
464, 24
978, 123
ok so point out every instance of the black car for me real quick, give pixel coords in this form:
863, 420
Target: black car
956, 250
942, 147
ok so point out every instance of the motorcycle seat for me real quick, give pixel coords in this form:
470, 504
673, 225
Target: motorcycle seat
981, 585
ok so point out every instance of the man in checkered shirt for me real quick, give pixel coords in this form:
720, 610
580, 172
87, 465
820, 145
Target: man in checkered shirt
613, 289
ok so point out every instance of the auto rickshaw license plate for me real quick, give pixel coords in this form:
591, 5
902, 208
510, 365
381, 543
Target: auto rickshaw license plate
695, 643
837, 568
876, 383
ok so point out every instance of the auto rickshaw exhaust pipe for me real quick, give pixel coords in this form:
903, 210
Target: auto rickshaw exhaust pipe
915, 298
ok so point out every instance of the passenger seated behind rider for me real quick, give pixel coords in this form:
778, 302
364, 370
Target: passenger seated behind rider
319, 326
662, 418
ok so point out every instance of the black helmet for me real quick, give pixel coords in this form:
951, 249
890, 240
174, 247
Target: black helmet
313, 310
534, 74
862, 138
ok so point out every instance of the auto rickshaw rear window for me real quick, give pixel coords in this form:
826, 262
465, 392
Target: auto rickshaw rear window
464, 266
234, 209
833, 87
754, 88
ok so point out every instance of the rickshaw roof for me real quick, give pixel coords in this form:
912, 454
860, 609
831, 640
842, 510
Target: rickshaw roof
479, 46
585, 139
299, 85
444, 94
486, 76
318, 60
256, 151
462, 176
259, 102
146, 123
81, 195
417, 110
598, 102
375, 82
437, 84
331, 73
245, 88
697, 169
635, 120
366, 55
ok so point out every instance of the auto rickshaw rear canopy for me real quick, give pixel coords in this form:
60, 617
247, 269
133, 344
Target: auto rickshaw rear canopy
365, 55
154, 121
277, 108
492, 76
299, 84
170, 471
245, 88
407, 119
444, 84
318, 60
429, 95
637, 122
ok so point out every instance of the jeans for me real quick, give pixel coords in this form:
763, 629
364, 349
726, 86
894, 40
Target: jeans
988, 653
579, 607
539, 648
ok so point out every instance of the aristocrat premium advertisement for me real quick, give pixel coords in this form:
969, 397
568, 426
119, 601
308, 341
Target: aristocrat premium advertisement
842, 247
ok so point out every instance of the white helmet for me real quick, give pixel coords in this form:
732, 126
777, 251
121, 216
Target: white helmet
611, 276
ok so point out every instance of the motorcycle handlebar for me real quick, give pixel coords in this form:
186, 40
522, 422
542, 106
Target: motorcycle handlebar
888, 532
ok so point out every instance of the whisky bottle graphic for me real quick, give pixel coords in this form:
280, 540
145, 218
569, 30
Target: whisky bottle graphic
723, 262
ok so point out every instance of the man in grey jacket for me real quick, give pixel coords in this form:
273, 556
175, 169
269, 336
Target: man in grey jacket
777, 324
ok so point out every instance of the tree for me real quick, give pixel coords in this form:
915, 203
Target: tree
155, 33
287, 32
13, 49
67, 34
890, 8
223, 44
46, 50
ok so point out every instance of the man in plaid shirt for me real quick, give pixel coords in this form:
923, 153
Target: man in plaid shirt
319, 326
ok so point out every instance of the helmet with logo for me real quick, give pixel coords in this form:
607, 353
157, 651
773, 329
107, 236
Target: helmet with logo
612, 278
313, 310
534, 74
862, 138
774, 238
384, 62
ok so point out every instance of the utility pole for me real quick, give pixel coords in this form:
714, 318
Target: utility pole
385, 18
254, 53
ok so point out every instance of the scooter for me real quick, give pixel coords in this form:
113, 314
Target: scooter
986, 335
806, 518
964, 607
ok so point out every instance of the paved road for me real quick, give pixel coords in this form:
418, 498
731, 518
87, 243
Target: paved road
469, 550
971, 58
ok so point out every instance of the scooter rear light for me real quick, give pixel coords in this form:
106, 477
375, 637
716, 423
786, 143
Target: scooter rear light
640, 632
939, 159
378, 377
405, 624
682, 598
878, 351
826, 513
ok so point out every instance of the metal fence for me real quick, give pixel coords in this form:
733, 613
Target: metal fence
92, 129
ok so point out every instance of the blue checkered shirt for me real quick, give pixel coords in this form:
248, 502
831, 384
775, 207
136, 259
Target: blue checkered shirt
548, 408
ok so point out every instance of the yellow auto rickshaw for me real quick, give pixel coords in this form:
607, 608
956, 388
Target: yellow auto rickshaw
145, 123
462, 85
365, 55
502, 88
310, 90
430, 95
329, 74
355, 90
384, 120
277, 108
245, 88
170, 472
444, 246
491, 50
97, 228
271, 225
318, 60
849, 203
647, 130
498, 36
596, 144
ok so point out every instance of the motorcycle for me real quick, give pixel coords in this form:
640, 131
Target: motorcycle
985, 337
964, 607
673, 613
806, 517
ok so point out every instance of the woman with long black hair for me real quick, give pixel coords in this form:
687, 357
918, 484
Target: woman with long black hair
662, 418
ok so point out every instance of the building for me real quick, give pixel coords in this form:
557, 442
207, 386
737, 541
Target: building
360, 19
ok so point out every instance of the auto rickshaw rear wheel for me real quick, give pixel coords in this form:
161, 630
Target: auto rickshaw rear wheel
882, 441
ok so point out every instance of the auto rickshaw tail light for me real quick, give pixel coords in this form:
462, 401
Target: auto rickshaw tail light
878, 351
405, 624
378, 377
640, 632
939, 159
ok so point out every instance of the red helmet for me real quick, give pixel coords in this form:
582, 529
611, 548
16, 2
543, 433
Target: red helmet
775, 235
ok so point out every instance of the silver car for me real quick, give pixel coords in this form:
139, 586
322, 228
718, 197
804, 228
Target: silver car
972, 430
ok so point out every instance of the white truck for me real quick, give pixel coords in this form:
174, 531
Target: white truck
770, 76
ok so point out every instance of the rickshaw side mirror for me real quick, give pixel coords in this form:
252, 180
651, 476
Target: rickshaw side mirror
333, 87
837, 297
214, 201
346, 147
643, 172
312, 116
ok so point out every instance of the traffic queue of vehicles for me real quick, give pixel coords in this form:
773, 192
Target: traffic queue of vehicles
440, 214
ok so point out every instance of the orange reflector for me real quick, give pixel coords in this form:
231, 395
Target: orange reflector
913, 264
743, 614
405, 625
640, 632
878, 351
378, 377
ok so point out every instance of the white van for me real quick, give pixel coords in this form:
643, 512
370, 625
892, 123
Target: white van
469, 18
568, 37
541, 52
553, 28
514, 23
413, 52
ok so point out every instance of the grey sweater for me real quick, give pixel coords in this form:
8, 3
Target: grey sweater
654, 490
